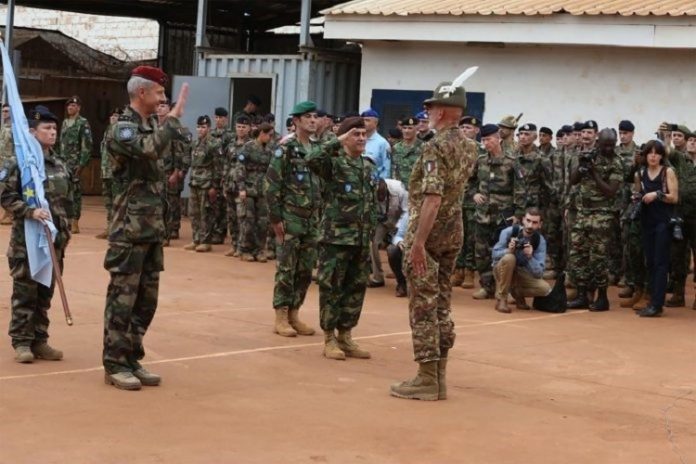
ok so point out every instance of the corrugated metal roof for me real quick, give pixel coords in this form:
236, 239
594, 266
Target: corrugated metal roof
515, 7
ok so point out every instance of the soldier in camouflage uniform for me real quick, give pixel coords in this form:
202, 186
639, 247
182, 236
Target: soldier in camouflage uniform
628, 152
251, 107
347, 224
6, 150
205, 183
31, 300
465, 267
553, 217
683, 159
293, 195
225, 137
75, 151
507, 126
252, 210
406, 152
598, 175
492, 188
433, 240
242, 130
545, 145
176, 161
107, 187
532, 185
135, 255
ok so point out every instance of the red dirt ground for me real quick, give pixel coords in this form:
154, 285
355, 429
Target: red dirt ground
523, 388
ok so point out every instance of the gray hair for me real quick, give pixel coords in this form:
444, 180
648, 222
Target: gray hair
137, 82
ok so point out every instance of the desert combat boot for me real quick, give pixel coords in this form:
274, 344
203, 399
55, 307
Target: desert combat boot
282, 325
331, 349
300, 327
349, 347
123, 380
424, 386
45, 351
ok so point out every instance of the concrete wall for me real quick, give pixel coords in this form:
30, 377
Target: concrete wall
552, 85
124, 38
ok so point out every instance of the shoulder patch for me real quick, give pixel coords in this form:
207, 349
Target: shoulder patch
241, 157
126, 133
278, 152
3, 174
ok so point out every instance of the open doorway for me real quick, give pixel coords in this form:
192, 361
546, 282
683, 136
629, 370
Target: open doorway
260, 85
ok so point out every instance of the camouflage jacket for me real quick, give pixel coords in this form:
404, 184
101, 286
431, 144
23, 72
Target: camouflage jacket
468, 198
106, 172
404, 156
546, 149
509, 145
494, 177
686, 175
229, 168
135, 146
206, 163
626, 155
570, 160
556, 176
58, 192
292, 190
350, 195
6, 143
444, 168
589, 197
177, 153
224, 136
75, 143
532, 184
252, 164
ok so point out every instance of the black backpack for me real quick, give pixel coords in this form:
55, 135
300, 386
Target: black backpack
556, 301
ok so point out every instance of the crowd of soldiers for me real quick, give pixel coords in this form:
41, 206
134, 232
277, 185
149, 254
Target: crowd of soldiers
315, 198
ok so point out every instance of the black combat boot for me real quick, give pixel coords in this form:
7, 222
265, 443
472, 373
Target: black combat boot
580, 301
650, 311
602, 302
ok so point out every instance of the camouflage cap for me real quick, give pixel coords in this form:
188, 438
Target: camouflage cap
508, 122
445, 95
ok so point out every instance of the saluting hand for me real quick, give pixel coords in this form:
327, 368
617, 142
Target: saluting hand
178, 110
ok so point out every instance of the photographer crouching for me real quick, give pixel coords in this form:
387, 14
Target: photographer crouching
518, 262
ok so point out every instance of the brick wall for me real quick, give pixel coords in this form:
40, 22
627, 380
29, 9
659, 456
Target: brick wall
124, 38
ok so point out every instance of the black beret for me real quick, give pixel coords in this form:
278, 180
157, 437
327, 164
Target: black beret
567, 128
338, 119
545, 130
118, 110
74, 99
590, 125
577, 126
254, 99
396, 133
529, 127
560, 133
321, 113
489, 129
243, 119
288, 122
41, 114
203, 120
412, 121
220, 111
627, 126
269, 118
470, 120
350, 123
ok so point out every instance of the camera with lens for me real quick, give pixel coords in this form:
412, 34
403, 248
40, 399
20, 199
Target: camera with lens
521, 242
586, 160
676, 223
636, 206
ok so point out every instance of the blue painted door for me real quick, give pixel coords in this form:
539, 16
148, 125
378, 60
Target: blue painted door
393, 105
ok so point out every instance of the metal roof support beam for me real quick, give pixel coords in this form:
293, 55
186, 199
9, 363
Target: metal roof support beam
201, 39
305, 16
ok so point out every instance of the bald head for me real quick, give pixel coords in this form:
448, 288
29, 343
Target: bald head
606, 141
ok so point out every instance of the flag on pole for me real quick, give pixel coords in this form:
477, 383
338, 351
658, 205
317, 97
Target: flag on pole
30, 162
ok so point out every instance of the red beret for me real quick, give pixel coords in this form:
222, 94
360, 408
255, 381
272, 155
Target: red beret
350, 123
151, 74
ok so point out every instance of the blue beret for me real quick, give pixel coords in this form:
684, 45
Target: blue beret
41, 114
626, 126
489, 129
423, 115
369, 113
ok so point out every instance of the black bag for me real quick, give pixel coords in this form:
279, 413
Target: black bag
556, 301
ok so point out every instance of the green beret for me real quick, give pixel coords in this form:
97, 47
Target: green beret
303, 108
683, 129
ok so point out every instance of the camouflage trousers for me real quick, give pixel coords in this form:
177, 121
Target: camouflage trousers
220, 218
466, 257
589, 248
108, 194
252, 213
681, 252
232, 221
483, 248
429, 307
616, 248
77, 199
633, 251
296, 258
568, 221
30, 304
342, 278
202, 216
173, 218
131, 302
553, 233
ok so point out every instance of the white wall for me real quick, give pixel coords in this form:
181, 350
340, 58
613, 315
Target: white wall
124, 38
551, 85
